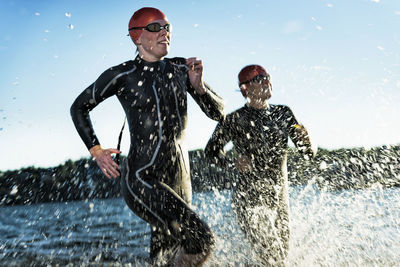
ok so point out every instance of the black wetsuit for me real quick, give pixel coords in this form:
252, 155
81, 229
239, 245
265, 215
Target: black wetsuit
262, 136
157, 184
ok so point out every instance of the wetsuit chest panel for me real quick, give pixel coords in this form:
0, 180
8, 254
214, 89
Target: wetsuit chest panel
263, 135
155, 102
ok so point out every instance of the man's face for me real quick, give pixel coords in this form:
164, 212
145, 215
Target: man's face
153, 46
259, 89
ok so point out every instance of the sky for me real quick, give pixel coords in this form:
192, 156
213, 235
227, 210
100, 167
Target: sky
336, 63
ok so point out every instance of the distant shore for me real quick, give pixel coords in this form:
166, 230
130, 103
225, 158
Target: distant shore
354, 168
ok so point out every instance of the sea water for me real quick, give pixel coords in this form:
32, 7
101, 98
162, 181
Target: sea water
340, 228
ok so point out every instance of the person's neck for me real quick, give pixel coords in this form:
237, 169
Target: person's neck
149, 58
258, 104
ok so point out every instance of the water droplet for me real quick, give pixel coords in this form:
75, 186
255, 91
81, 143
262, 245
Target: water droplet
91, 206
323, 165
67, 14
140, 83
70, 26
37, 14
14, 190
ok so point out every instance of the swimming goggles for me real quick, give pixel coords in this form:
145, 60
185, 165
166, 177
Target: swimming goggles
153, 27
258, 79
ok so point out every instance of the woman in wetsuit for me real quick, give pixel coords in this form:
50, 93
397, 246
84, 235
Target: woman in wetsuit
259, 132
153, 91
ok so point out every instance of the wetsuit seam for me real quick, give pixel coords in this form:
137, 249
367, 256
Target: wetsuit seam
142, 203
177, 106
158, 143
182, 66
94, 93
115, 78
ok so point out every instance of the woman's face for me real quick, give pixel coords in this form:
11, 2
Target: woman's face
154, 46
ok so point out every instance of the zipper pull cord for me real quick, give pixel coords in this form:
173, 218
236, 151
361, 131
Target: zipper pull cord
119, 141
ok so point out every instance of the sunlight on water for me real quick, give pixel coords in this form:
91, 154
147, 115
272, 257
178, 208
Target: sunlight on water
328, 228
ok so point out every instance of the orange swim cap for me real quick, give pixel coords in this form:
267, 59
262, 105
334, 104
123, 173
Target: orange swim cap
248, 73
142, 18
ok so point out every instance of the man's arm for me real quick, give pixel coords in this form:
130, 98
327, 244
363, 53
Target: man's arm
300, 137
214, 150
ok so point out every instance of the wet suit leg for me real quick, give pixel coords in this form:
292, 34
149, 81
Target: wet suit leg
157, 204
263, 216
161, 242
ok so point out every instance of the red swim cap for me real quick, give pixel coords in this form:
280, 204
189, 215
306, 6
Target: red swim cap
142, 18
248, 73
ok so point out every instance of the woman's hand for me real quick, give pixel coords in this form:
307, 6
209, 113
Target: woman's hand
196, 74
105, 161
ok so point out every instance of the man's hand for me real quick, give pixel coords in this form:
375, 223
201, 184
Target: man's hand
105, 161
196, 74
243, 164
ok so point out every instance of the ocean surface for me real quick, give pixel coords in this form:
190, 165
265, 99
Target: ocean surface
341, 228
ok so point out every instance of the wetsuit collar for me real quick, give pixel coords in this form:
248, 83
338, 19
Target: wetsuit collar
256, 109
143, 63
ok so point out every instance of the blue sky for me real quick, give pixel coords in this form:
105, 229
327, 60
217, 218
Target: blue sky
336, 63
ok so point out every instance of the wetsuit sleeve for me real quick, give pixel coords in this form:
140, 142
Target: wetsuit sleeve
105, 86
210, 103
299, 135
214, 150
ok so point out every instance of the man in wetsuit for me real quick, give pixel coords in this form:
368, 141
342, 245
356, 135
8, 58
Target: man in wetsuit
259, 132
153, 91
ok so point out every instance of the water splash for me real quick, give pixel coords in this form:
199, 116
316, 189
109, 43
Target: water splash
328, 228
